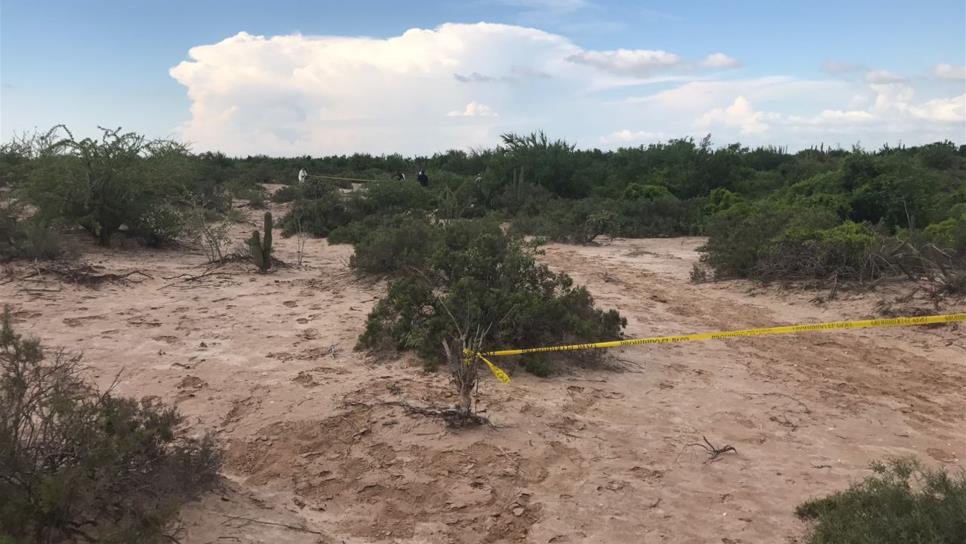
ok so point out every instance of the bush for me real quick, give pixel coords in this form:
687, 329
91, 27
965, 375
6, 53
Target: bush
478, 276
950, 234
101, 185
742, 234
159, 226
388, 197
309, 190
637, 191
77, 465
842, 252
26, 239
406, 243
901, 503
317, 217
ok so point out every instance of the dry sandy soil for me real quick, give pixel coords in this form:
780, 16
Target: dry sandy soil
319, 450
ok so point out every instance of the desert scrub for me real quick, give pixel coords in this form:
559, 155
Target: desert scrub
397, 246
27, 238
317, 217
79, 465
901, 503
477, 275
120, 179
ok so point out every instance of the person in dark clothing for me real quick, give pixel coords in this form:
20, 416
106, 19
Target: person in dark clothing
422, 178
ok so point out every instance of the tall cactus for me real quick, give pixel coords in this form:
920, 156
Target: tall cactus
262, 246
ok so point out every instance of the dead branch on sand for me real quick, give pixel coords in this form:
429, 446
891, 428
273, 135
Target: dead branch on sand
85, 275
713, 451
453, 417
185, 278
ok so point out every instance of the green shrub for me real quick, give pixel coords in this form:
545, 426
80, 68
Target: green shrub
950, 234
310, 189
482, 277
842, 252
902, 503
77, 465
739, 236
316, 217
388, 197
637, 191
159, 226
404, 244
720, 200
26, 239
101, 185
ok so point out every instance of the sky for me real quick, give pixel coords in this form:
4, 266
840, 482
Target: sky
299, 77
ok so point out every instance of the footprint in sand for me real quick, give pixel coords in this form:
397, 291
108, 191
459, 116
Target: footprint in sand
78, 321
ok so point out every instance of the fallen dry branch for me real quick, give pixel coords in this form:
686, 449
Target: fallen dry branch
452, 416
85, 275
185, 278
713, 451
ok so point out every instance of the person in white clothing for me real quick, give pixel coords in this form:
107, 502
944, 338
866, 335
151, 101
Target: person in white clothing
302, 175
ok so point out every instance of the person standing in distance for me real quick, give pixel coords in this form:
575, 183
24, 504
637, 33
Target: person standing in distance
422, 178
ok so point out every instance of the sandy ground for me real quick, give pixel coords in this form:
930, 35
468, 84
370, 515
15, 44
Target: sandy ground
316, 451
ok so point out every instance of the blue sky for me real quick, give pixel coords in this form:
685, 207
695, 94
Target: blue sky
601, 73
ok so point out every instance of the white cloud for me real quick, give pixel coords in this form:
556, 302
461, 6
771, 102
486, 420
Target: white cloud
949, 71
473, 109
720, 60
627, 136
883, 77
327, 94
434, 89
828, 118
627, 62
942, 110
739, 114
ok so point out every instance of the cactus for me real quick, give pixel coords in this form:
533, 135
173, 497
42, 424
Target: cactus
262, 246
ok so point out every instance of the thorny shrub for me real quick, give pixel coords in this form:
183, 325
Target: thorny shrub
474, 275
78, 465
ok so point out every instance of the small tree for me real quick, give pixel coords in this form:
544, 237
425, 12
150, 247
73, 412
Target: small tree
469, 275
120, 179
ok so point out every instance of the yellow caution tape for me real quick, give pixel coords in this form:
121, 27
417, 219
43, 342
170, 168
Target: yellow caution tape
497, 371
788, 329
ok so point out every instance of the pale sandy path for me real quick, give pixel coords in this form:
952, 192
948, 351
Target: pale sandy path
267, 362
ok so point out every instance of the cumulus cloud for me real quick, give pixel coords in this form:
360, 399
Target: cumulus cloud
473, 109
719, 60
629, 62
627, 136
297, 94
434, 89
949, 71
739, 114
942, 110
